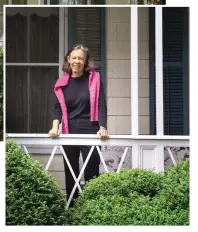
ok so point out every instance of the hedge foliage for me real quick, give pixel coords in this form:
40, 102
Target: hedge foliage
33, 197
135, 197
1, 93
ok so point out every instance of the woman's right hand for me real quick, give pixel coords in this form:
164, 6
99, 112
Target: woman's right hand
53, 133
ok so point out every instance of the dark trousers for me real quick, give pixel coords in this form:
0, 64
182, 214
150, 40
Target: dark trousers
91, 170
73, 155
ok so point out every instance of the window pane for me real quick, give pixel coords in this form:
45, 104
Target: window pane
16, 38
29, 103
16, 100
42, 80
44, 36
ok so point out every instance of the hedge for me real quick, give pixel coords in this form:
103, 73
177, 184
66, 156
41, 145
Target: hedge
135, 197
33, 197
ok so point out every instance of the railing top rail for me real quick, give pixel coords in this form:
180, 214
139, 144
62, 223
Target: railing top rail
91, 139
94, 136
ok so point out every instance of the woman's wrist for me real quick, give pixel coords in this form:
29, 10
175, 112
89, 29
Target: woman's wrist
102, 127
55, 124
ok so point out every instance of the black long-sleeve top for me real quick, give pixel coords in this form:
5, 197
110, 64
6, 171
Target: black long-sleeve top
77, 98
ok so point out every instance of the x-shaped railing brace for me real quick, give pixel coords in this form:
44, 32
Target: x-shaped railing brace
77, 185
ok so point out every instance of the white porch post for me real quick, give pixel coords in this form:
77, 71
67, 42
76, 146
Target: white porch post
134, 84
159, 72
159, 85
134, 72
62, 20
39, 2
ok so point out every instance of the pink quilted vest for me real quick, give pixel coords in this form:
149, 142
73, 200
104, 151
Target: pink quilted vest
94, 88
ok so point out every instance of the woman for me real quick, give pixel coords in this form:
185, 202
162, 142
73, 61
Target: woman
81, 107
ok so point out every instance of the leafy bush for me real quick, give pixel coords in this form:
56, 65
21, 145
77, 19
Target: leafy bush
135, 197
175, 188
1, 93
32, 196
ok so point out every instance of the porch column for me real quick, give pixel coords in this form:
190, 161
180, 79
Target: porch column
159, 71
134, 84
62, 37
134, 72
159, 86
39, 2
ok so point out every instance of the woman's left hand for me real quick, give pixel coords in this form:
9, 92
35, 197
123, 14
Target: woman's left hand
102, 133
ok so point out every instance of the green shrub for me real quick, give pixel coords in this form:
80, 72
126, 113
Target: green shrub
1, 94
112, 198
32, 196
134, 197
175, 187
144, 182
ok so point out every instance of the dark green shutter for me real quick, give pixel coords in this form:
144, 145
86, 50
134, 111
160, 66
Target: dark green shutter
98, 2
87, 27
175, 72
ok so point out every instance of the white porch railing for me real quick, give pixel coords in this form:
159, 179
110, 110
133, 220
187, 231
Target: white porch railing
147, 151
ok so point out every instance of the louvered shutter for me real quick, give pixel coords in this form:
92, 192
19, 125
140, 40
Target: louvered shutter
140, 2
175, 72
87, 27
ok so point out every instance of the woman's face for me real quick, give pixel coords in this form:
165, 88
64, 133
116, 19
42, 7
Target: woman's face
77, 61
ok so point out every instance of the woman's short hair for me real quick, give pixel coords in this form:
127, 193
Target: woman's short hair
89, 65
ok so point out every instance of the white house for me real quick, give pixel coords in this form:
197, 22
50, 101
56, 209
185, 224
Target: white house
142, 55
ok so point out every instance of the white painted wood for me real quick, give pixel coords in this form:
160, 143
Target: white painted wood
61, 39
159, 72
66, 30
80, 175
147, 157
159, 158
171, 155
135, 156
51, 157
122, 159
39, 2
41, 140
70, 168
134, 72
88, 2
32, 64
102, 159
147, 151
25, 149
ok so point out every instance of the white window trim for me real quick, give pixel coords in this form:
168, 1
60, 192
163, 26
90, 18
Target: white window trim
32, 64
